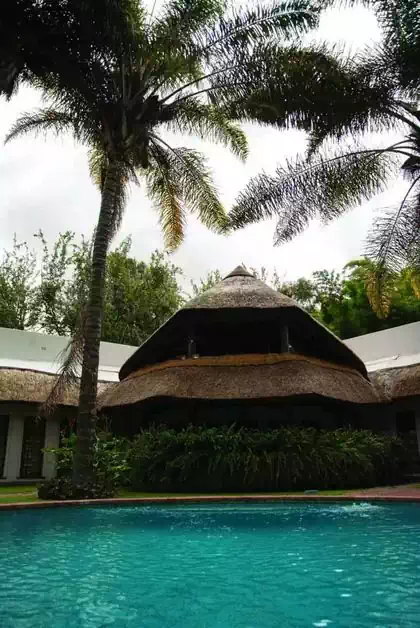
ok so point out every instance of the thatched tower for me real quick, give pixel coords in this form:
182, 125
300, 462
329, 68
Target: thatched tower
243, 353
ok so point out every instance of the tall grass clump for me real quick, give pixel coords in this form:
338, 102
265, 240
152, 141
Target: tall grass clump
212, 459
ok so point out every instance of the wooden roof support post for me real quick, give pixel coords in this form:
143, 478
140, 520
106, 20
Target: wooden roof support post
284, 339
192, 348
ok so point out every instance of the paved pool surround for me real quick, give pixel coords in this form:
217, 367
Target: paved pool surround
387, 494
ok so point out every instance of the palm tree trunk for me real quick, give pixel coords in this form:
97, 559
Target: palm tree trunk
86, 420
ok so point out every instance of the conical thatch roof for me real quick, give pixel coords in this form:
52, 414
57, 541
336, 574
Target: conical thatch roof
240, 304
240, 289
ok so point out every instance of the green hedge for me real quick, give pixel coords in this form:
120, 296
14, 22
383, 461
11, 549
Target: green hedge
206, 459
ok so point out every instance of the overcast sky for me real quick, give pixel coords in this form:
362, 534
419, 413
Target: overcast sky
45, 184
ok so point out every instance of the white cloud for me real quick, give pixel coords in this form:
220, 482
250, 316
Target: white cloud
45, 184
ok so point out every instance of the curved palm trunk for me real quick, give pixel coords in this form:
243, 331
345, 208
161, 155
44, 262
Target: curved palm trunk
86, 420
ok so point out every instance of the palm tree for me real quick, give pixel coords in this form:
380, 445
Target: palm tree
375, 91
192, 68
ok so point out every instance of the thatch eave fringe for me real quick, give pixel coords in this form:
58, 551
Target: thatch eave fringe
32, 386
242, 378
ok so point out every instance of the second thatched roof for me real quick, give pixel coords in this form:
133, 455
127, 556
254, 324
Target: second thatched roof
397, 383
241, 377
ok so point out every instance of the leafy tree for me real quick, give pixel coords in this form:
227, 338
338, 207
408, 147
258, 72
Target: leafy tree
379, 91
63, 287
193, 68
403, 304
18, 273
302, 290
342, 301
212, 278
139, 297
48, 293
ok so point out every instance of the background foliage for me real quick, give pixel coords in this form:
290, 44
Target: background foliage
342, 301
111, 461
45, 292
289, 458
225, 459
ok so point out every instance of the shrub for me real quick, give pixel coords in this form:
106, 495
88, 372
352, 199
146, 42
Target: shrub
63, 456
63, 488
111, 466
210, 459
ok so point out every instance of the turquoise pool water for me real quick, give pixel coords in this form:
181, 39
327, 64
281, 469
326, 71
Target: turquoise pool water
202, 566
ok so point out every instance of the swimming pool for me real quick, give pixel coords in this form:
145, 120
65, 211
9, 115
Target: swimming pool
202, 566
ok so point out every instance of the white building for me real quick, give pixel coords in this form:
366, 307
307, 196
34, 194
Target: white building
29, 363
392, 359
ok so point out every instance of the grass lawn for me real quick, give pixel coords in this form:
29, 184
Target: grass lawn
17, 489
20, 493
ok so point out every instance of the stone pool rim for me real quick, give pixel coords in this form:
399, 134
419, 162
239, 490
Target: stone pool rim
132, 501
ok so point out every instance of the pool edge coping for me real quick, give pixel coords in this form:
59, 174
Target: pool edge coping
127, 501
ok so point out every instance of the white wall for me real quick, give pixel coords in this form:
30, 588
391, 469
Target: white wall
11, 471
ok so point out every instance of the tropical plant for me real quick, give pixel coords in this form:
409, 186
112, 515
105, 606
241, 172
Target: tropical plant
380, 91
212, 459
111, 458
65, 488
192, 67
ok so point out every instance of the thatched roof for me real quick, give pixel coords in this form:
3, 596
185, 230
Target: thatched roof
397, 383
240, 289
240, 310
33, 386
265, 377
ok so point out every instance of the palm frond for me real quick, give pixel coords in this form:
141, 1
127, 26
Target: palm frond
122, 173
394, 239
400, 23
209, 123
379, 282
362, 98
393, 244
227, 49
414, 274
300, 191
42, 121
170, 52
198, 191
178, 20
163, 187
98, 164
121, 182
247, 25
69, 373
315, 88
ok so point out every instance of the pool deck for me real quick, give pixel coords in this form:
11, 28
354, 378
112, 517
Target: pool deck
384, 494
